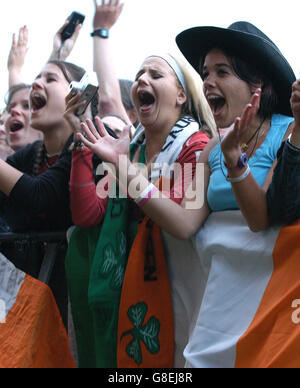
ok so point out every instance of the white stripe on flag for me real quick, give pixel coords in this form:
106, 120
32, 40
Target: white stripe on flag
11, 280
240, 265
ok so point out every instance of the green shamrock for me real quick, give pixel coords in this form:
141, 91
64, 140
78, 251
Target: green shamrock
148, 333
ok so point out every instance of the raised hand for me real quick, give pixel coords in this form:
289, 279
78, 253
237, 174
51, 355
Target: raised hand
19, 49
295, 105
231, 144
61, 50
295, 102
16, 57
102, 144
106, 15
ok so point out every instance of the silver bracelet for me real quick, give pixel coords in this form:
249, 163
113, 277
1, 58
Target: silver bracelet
240, 178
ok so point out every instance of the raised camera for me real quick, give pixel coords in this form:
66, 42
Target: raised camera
87, 91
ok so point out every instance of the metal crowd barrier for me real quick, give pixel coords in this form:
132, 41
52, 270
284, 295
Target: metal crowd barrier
42, 256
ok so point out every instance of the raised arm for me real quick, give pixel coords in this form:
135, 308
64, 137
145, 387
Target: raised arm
106, 15
61, 50
16, 57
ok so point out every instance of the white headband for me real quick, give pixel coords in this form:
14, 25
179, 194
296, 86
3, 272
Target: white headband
174, 65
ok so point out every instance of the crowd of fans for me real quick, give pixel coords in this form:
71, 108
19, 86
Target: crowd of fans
230, 104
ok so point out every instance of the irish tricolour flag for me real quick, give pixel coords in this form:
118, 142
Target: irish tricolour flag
32, 334
249, 314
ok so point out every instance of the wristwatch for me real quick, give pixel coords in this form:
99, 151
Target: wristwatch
101, 32
242, 163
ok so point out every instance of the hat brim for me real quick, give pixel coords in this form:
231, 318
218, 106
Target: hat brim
194, 43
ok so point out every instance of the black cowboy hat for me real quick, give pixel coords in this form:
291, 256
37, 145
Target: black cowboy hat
250, 44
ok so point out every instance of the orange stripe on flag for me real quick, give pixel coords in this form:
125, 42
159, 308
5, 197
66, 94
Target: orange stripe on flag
273, 339
33, 335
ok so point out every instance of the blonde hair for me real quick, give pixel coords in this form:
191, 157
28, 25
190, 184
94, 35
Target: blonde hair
196, 104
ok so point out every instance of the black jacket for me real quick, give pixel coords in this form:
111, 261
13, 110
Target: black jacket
41, 203
283, 195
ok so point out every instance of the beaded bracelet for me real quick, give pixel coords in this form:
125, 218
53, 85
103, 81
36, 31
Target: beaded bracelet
76, 145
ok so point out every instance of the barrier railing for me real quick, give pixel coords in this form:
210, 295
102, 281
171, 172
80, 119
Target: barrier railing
42, 256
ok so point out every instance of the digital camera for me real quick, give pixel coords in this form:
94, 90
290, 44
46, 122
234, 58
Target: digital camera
87, 91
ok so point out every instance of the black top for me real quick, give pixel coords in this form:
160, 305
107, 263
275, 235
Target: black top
38, 203
283, 196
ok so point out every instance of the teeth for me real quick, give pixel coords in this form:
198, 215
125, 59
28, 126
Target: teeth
37, 101
213, 97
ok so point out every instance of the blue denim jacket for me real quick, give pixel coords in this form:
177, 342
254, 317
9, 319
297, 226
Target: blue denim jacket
283, 196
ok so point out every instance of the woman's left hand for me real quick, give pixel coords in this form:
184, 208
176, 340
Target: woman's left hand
232, 141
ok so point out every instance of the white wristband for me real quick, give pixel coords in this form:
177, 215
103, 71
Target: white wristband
146, 195
240, 178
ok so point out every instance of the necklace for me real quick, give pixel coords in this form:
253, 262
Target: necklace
48, 156
245, 146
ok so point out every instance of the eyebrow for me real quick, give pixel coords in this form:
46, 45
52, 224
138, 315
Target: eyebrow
152, 69
47, 75
219, 65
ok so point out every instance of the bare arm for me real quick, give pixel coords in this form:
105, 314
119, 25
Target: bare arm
106, 15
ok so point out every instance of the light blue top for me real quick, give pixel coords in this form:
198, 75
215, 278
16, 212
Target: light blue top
220, 195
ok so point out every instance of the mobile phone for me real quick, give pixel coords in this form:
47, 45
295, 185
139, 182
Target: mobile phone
74, 19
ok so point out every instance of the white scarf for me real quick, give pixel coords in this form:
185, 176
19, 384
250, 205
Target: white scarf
182, 131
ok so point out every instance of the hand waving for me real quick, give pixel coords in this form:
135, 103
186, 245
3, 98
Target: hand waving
102, 144
106, 15
18, 50
231, 144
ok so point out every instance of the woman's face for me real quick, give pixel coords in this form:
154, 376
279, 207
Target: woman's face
156, 94
226, 94
18, 128
47, 98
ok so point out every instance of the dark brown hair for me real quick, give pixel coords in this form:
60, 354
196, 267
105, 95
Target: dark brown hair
70, 71
13, 90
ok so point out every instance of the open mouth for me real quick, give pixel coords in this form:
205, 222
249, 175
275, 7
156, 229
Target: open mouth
146, 99
216, 104
16, 126
37, 102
